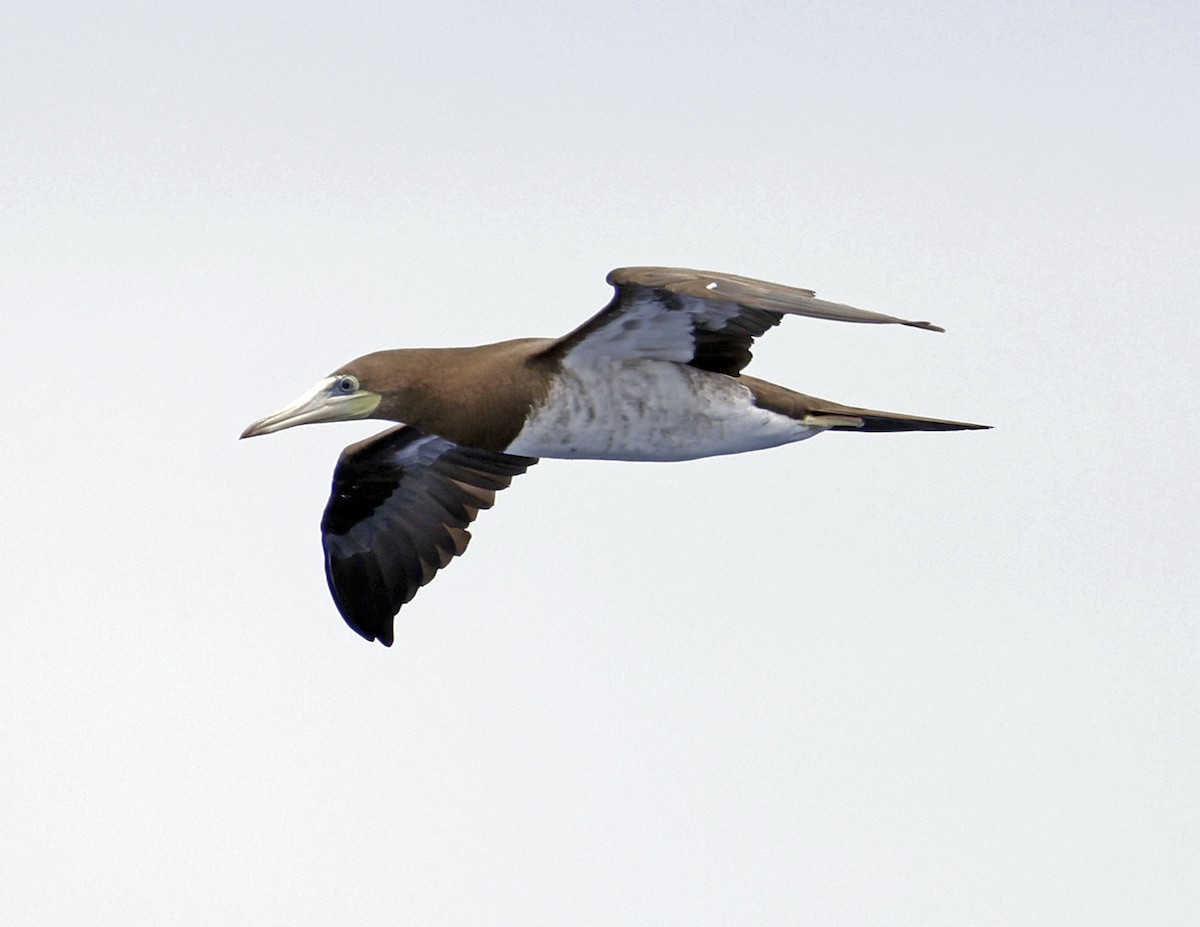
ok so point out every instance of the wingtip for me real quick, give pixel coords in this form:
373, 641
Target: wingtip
927, 326
387, 638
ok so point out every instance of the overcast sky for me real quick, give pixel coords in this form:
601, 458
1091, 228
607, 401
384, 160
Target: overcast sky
928, 679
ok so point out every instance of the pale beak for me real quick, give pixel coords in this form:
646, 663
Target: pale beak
319, 404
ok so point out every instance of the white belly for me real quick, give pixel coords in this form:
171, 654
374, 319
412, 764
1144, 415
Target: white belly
650, 410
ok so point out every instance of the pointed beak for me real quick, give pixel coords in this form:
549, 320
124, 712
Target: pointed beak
319, 404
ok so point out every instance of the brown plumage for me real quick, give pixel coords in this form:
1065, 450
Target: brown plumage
655, 375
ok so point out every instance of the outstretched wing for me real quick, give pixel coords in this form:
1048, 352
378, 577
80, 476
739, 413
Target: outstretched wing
708, 320
398, 513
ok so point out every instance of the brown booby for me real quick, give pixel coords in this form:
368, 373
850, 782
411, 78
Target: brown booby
655, 375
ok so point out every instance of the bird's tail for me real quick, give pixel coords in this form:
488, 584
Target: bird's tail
870, 420
824, 413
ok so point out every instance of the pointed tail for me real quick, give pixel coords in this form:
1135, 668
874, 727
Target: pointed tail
870, 420
823, 413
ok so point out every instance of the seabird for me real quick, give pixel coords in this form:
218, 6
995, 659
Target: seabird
655, 375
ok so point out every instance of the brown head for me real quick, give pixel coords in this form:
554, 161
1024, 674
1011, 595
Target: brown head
372, 386
477, 396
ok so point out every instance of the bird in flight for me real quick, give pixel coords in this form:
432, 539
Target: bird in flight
655, 375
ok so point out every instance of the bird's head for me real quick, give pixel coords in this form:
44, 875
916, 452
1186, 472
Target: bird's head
349, 393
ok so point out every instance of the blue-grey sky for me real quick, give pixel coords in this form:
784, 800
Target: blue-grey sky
933, 679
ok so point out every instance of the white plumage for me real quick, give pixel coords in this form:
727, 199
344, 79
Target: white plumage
649, 410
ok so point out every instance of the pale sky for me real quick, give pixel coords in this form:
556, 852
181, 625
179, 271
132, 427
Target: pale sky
928, 679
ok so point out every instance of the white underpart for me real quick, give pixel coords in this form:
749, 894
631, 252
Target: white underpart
607, 409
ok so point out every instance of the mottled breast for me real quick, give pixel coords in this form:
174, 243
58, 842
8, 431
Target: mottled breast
649, 410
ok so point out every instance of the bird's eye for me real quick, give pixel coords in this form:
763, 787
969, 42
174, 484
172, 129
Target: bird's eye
347, 384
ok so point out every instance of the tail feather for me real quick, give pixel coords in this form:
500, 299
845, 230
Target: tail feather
823, 413
869, 420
